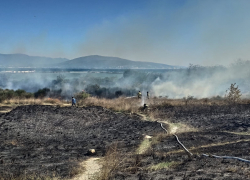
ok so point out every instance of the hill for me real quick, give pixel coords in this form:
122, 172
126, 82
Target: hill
87, 62
103, 62
23, 60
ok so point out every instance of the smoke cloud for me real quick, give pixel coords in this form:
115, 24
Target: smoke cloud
198, 32
204, 82
197, 81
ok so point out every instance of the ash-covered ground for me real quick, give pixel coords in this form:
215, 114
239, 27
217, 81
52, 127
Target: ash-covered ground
51, 141
222, 130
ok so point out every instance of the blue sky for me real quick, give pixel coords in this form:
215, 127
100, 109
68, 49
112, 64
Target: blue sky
178, 32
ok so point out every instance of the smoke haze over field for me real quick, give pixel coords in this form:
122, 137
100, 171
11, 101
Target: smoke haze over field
198, 32
197, 81
203, 82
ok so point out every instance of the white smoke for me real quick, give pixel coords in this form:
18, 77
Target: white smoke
205, 83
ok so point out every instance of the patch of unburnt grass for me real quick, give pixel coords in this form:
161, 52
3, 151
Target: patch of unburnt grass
163, 165
145, 144
33, 101
119, 104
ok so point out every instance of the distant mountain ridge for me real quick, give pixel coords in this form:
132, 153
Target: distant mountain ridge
23, 60
86, 62
104, 62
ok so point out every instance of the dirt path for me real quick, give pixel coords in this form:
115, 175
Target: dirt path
173, 130
92, 167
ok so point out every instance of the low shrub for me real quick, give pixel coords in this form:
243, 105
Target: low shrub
41, 93
81, 95
6, 94
233, 94
52, 101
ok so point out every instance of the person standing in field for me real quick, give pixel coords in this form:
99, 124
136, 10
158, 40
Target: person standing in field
73, 102
139, 95
147, 95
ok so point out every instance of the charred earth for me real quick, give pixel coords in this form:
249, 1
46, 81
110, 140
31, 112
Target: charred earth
49, 141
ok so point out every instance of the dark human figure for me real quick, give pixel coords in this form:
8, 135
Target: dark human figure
147, 95
139, 95
73, 102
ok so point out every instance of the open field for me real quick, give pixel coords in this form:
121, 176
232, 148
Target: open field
52, 141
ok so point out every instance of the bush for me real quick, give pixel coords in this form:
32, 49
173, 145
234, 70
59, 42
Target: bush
23, 94
118, 93
82, 95
233, 94
188, 99
218, 98
20, 92
41, 93
10, 94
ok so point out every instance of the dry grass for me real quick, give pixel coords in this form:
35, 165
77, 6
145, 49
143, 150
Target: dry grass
110, 163
33, 101
76, 170
115, 160
131, 105
239, 133
123, 104
13, 142
144, 146
52, 101
177, 128
163, 165
16, 101
203, 101
134, 105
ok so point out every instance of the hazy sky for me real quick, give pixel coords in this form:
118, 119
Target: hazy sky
177, 32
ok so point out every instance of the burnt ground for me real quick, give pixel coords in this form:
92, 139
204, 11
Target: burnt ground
51, 141
221, 130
